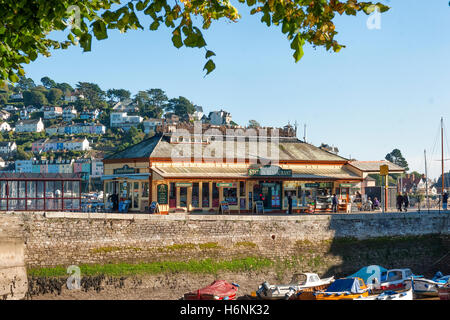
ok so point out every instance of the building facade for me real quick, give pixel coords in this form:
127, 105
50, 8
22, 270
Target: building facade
32, 125
241, 171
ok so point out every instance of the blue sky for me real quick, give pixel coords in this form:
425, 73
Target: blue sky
387, 89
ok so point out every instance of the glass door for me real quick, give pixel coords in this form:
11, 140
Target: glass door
183, 197
135, 195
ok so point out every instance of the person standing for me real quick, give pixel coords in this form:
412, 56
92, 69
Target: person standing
289, 203
445, 200
399, 202
334, 202
406, 201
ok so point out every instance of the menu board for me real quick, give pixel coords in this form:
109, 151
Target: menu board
162, 193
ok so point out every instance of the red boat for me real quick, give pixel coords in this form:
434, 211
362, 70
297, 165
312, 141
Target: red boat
218, 290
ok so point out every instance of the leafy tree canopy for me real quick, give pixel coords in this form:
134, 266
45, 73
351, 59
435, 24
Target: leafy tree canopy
253, 124
48, 83
27, 24
118, 94
397, 158
181, 106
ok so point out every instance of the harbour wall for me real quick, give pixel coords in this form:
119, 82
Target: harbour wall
322, 243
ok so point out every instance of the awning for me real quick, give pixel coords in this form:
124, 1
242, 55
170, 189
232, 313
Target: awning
135, 176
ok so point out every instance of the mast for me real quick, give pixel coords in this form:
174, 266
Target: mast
442, 149
426, 180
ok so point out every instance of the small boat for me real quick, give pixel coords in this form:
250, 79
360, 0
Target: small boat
306, 282
390, 295
218, 290
372, 275
395, 280
340, 289
428, 287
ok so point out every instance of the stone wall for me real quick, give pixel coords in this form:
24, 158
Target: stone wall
53, 239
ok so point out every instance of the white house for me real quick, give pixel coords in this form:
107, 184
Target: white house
4, 126
219, 117
69, 113
7, 147
77, 145
16, 96
150, 124
52, 112
11, 108
32, 125
124, 121
198, 113
4, 115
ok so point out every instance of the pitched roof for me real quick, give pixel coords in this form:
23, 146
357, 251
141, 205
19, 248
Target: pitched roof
287, 149
374, 166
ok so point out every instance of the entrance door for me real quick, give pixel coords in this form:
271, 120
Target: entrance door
135, 203
183, 197
269, 193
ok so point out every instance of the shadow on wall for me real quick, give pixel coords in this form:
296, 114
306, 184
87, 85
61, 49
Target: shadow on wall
401, 246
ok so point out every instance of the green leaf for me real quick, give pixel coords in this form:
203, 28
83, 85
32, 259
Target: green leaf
154, 25
297, 45
209, 66
100, 30
176, 39
209, 54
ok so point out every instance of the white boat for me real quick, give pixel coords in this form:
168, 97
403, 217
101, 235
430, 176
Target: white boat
300, 282
395, 279
390, 295
428, 287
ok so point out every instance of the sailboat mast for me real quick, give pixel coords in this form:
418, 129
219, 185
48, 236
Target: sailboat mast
426, 179
442, 149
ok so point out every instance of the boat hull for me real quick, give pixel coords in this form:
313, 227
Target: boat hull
423, 287
444, 293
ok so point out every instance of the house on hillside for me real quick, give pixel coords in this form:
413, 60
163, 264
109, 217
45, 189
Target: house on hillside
31, 125
219, 118
69, 113
7, 147
4, 126
52, 112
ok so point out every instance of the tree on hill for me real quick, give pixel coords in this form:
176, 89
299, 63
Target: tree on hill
48, 83
26, 30
64, 87
253, 124
91, 92
397, 158
54, 95
118, 94
151, 102
25, 83
181, 106
35, 98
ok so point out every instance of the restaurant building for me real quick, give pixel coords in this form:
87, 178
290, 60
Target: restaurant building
185, 171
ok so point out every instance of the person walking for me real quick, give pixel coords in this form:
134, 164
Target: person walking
445, 200
289, 203
334, 202
399, 202
406, 201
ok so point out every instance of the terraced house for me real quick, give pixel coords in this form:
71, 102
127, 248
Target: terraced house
200, 171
